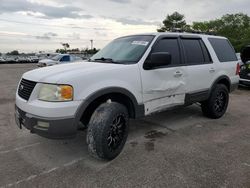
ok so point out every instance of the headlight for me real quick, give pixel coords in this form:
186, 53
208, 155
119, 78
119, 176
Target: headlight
55, 93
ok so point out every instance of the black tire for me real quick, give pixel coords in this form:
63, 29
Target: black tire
216, 106
108, 130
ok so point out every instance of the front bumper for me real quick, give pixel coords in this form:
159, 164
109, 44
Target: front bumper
54, 128
245, 82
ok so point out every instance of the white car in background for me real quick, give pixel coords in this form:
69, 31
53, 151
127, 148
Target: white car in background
46, 55
59, 59
33, 59
2, 60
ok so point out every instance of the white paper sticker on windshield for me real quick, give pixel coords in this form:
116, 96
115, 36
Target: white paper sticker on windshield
142, 43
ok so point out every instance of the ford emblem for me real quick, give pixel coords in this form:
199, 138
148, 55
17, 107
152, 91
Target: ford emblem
21, 87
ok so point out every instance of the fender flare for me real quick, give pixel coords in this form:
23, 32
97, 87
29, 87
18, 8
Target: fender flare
139, 108
223, 77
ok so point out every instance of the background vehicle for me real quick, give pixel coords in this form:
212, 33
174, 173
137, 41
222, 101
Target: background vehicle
59, 59
43, 55
2, 60
131, 77
239, 58
33, 59
245, 67
11, 59
22, 59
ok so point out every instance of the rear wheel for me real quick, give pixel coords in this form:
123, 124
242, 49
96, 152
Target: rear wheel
216, 106
108, 130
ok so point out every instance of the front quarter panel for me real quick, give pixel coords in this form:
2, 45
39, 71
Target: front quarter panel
122, 76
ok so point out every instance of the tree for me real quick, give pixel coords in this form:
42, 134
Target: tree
201, 26
61, 51
236, 27
74, 50
173, 22
90, 51
14, 52
65, 46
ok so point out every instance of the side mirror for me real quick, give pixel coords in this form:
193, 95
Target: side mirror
158, 59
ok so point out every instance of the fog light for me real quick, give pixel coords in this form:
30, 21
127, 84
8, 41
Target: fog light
42, 124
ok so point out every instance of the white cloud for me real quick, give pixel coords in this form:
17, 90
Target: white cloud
79, 21
12, 33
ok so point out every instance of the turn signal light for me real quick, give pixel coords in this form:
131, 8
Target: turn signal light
66, 92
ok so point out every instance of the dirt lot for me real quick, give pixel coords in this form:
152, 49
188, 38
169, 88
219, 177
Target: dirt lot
179, 148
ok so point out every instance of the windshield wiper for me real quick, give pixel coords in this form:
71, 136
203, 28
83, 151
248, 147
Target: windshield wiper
110, 60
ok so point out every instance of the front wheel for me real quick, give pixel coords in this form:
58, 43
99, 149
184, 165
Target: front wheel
108, 130
216, 106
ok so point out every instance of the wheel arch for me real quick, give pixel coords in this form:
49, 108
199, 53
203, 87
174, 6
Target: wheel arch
115, 94
222, 80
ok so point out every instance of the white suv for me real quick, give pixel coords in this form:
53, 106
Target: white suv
133, 76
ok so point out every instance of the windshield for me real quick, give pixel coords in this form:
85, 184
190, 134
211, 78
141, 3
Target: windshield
125, 50
57, 57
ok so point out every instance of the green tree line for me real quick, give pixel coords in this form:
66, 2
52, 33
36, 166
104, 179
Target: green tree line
236, 27
66, 49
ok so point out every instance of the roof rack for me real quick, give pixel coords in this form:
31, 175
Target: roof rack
179, 30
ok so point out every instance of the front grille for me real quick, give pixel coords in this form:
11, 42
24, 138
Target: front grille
25, 88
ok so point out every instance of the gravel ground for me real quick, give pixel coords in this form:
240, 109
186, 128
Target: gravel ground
178, 148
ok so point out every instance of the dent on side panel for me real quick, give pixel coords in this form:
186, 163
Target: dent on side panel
169, 91
164, 103
171, 87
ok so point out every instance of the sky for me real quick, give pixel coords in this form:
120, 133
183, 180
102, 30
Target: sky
33, 25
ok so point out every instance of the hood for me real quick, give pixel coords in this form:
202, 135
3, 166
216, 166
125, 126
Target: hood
63, 73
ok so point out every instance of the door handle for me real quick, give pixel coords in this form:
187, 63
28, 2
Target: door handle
178, 74
211, 70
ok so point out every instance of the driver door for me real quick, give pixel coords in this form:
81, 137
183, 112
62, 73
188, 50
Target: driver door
164, 87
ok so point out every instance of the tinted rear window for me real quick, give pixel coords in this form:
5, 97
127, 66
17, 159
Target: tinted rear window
193, 51
223, 49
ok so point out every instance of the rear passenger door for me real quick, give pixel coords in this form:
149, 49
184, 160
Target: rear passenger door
199, 66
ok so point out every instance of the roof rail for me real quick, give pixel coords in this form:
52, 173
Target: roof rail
179, 30
199, 32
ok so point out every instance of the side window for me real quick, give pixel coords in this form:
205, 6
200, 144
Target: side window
206, 54
193, 51
171, 46
65, 58
223, 49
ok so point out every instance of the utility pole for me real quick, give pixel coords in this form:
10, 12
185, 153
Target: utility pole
91, 41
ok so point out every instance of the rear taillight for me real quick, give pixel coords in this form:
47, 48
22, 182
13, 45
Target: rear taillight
238, 69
